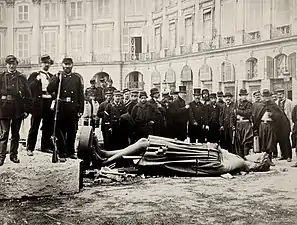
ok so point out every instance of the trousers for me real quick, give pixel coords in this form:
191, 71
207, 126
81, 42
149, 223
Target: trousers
267, 138
244, 136
47, 128
5, 126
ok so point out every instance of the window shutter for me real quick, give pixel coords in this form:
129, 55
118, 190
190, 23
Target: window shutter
292, 64
269, 67
125, 40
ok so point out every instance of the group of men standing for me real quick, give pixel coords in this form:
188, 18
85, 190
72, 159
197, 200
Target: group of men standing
210, 117
38, 96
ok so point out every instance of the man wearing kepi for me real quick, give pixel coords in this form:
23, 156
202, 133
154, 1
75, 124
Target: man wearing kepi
71, 107
267, 119
181, 114
38, 82
15, 104
244, 130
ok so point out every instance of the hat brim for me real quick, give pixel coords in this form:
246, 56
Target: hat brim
228, 96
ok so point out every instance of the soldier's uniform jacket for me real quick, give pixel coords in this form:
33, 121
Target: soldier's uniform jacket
15, 95
244, 109
113, 112
36, 91
95, 92
129, 106
72, 95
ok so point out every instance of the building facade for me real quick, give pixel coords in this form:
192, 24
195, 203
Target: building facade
214, 44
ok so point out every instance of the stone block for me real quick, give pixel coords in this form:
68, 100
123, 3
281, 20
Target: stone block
37, 176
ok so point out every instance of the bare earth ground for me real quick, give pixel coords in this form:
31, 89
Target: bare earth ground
256, 198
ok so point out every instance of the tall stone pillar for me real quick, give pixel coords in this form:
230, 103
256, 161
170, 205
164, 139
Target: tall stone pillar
239, 22
62, 31
89, 31
9, 35
179, 28
35, 40
117, 30
267, 22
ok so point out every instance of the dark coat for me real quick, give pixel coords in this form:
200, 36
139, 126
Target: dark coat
158, 117
96, 93
181, 117
36, 91
227, 115
244, 109
101, 113
195, 115
129, 106
15, 85
71, 88
294, 131
214, 113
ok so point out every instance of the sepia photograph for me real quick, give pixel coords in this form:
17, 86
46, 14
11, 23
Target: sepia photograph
148, 112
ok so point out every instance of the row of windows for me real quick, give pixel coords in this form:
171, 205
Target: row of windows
75, 10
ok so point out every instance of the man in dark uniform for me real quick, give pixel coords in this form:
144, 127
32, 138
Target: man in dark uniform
142, 114
169, 114
244, 129
227, 123
94, 93
158, 113
42, 100
113, 112
205, 115
181, 114
267, 119
214, 119
220, 99
195, 117
71, 107
15, 104
133, 101
100, 114
126, 96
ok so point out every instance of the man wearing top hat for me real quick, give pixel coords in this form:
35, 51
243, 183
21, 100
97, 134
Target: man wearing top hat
42, 100
195, 118
101, 114
15, 104
214, 119
181, 114
158, 113
286, 106
244, 130
268, 118
227, 123
112, 114
71, 107
142, 114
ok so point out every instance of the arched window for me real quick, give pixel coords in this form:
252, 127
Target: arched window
280, 66
252, 68
227, 71
134, 80
156, 79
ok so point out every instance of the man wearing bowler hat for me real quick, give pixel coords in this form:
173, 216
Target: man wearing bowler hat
196, 118
42, 100
286, 106
181, 114
220, 98
227, 123
15, 104
268, 118
244, 130
158, 113
71, 104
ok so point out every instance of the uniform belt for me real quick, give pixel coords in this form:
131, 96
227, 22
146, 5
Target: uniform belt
7, 97
46, 96
243, 120
266, 121
67, 99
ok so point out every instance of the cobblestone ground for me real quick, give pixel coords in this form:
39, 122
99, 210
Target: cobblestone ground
256, 198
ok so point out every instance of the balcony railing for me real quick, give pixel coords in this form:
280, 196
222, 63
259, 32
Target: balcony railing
136, 56
103, 57
135, 85
186, 49
283, 31
169, 52
252, 37
227, 41
24, 61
